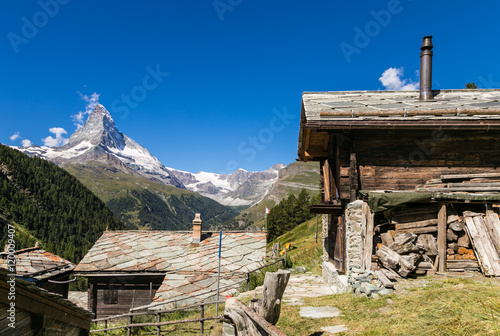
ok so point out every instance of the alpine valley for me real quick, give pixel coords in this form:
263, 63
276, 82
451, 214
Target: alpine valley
144, 193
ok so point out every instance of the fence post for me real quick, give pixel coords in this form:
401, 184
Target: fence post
106, 327
202, 315
158, 319
129, 328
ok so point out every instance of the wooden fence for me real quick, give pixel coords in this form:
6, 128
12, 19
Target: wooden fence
130, 316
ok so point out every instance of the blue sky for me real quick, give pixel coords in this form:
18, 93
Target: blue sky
216, 85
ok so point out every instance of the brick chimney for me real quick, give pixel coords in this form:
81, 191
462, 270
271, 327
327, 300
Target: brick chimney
197, 222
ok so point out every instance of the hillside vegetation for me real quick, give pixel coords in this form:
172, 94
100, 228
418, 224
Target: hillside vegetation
145, 204
48, 205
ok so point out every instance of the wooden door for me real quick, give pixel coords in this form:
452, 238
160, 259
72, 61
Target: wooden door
337, 243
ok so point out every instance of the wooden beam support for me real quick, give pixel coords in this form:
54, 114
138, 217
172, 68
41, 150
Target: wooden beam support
441, 238
353, 177
92, 295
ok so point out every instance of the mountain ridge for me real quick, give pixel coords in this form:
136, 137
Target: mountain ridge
99, 140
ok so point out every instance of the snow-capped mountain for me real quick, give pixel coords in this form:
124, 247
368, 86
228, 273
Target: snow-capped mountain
100, 140
239, 188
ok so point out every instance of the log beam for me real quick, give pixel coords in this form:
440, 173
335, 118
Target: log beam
441, 238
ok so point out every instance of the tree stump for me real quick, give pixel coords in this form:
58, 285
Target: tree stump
272, 293
260, 320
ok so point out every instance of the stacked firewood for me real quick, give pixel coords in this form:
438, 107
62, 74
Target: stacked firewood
459, 246
407, 242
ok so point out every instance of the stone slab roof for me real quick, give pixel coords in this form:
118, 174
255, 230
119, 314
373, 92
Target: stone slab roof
463, 104
173, 252
37, 264
190, 269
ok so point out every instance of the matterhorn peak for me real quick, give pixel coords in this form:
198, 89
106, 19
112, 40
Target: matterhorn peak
100, 140
99, 130
100, 109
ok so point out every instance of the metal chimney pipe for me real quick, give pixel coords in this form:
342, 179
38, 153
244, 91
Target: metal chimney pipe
426, 69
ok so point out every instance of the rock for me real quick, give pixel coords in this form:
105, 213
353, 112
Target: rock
371, 289
300, 269
319, 312
375, 296
386, 291
335, 329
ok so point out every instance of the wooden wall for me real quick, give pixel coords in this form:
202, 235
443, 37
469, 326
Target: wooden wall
403, 159
131, 292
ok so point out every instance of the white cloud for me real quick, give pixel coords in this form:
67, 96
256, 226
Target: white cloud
92, 101
59, 140
26, 143
392, 80
14, 136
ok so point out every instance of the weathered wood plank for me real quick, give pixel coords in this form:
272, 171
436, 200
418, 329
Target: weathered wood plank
368, 246
488, 245
466, 189
429, 243
482, 255
493, 225
384, 279
417, 224
417, 231
353, 177
441, 238
468, 176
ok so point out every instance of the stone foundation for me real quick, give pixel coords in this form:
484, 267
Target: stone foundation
333, 278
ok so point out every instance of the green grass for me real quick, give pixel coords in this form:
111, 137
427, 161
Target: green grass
306, 252
193, 328
442, 307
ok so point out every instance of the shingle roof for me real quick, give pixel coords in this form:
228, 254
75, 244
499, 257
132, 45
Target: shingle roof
36, 263
190, 269
40, 292
172, 251
473, 104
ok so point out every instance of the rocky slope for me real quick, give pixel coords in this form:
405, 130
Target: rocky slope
292, 179
239, 188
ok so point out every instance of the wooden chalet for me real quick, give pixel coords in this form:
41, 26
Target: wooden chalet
42, 268
131, 269
401, 151
37, 311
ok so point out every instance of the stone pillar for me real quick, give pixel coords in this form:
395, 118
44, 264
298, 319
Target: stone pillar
325, 229
354, 237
